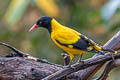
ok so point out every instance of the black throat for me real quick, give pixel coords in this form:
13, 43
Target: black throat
48, 27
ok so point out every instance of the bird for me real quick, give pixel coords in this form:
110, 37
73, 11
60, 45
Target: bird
68, 39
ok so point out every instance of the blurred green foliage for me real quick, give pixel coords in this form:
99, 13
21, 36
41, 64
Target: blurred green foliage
17, 16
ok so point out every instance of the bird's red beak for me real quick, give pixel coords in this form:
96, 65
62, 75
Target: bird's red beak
33, 27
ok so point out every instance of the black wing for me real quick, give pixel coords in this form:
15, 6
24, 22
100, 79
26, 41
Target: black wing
83, 43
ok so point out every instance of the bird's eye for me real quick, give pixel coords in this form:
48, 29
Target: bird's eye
41, 22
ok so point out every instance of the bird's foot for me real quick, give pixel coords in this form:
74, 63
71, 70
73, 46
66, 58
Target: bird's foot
80, 62
69, 66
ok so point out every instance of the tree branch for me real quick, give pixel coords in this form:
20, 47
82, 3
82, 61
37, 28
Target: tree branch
80, 66
111, 65
17, 68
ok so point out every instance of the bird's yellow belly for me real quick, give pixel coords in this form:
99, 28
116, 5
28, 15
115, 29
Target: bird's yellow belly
69, 50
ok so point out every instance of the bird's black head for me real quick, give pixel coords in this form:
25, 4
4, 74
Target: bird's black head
44, 21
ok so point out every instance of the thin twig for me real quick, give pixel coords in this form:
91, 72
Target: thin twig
20, 53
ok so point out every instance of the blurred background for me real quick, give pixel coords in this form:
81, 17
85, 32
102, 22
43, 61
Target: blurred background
97, 19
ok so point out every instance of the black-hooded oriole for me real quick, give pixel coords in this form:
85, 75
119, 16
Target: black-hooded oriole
69, 39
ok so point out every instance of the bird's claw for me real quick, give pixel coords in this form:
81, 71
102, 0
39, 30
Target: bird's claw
80, 62
69, 66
